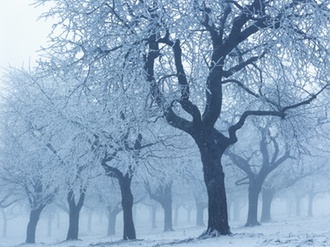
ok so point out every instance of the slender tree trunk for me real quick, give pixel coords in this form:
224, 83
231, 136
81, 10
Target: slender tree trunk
214, 178
298, 206
127, 204
254, 190
310, 203
167, 206
32, 225
153, 217
112, 218
74, 213
267, 198
200, 206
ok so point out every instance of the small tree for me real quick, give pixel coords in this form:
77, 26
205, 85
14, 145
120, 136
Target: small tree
271, 158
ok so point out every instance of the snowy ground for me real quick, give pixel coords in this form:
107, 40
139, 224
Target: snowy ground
293, 232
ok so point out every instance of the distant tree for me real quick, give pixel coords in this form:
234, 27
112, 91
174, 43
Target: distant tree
163, 194
257, 169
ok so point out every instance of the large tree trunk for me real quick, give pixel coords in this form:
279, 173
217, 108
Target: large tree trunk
254, 190
167, 206
127, 204
32, 225
74, 213
214, 178
267, 198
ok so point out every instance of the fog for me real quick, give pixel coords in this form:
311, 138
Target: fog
116, 131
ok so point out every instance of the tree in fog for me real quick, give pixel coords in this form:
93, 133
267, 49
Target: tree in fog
206, 63
108, 194
258, 162
27, 162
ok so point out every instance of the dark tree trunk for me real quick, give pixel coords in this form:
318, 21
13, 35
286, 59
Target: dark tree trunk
267, 198
254, 190
127, 204
167, 206
214, 178
112, 217
32, 225
200, 206
74, 213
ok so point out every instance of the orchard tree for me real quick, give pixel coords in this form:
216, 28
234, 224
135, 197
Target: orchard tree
258, 163
205, 66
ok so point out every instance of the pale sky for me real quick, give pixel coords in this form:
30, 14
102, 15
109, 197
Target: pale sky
21, 35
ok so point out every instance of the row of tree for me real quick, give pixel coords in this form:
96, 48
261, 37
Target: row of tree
119, 74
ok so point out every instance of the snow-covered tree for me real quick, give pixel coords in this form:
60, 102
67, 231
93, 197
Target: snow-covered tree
198, 64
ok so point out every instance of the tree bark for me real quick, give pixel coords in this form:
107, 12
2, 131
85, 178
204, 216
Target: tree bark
267, 199
254, 190
214, 178
74, 213
127, 204
32, 225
